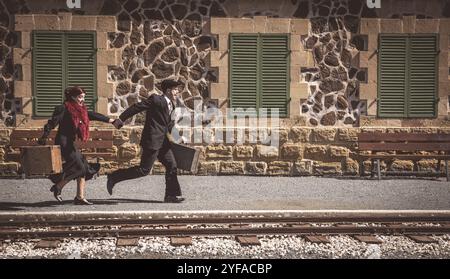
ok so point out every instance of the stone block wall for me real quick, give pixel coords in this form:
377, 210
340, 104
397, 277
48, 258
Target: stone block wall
304, 152
142, 42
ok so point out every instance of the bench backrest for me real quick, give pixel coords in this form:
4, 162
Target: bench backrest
403, 142
98, 139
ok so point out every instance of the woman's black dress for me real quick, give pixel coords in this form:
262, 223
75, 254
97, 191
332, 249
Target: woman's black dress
75, 165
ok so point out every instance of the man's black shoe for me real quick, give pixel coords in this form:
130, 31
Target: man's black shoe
110, 184
173, 199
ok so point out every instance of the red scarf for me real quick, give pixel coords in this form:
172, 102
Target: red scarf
80, 119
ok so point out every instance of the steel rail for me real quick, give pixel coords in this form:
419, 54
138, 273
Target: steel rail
166, 232
225, 220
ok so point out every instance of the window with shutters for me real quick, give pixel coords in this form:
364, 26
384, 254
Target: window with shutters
408, 76
62, 59
259, 72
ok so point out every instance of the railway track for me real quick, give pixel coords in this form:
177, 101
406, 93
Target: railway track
323, 225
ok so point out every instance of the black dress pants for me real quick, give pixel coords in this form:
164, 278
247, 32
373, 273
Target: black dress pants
165, 156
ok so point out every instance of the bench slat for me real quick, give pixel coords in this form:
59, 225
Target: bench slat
27, 134
389, 146
406, 157
15, 143
402, 137
15, 157
106, 156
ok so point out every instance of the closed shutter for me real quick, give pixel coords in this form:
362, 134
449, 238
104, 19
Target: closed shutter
392, 76
275, 73
423, 76
48, 72
62, 59
81, 65
244, 71
408, 76
259, 71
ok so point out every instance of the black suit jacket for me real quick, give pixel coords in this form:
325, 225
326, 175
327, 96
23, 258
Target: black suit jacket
158, 122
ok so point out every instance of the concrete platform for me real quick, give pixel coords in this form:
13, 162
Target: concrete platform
232, 193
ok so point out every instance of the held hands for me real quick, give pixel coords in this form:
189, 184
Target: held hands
117, 123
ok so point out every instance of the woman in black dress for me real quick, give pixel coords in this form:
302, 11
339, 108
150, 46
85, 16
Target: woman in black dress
73, 120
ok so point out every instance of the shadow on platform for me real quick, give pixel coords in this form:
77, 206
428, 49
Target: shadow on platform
17, 206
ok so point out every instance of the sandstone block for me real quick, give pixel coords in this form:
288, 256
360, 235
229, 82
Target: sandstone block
22, 56
46, 22
219, 152
351, 167
315, 152
338, 152
24, 22
302, 168
402, 165
4, 136
300, 134
208, 168
279, 168
266, 152
84, 23
333, 168
323, 135
347, 135
9, 169
158, 168
106, 24
2, 153
241, 25
22, 89
427, 165
243, 152
121, 136
220, 25
291, 151
231, 168
256, 168
128, 151
107, 167
299, 26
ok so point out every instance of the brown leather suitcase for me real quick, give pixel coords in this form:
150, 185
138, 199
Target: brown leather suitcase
186, 157
41, 160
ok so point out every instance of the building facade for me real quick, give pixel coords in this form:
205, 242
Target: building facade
331, 68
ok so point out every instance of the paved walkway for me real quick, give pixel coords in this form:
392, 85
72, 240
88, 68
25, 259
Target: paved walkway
244, 193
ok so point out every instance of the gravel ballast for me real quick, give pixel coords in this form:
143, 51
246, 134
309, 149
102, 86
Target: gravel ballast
272, 247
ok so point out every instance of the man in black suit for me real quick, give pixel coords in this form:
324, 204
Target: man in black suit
154, 141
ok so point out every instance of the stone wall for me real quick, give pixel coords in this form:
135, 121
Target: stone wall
157, 39
302, 152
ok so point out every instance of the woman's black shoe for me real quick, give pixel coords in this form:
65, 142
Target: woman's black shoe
173, 199
56, 193
78, 201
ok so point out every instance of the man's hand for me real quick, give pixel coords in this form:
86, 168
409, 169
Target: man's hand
118, 123
42, 141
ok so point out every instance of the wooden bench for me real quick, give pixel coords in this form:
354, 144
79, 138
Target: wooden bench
95, 148
432, 146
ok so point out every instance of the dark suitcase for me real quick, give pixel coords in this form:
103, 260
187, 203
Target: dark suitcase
41, 160
186, 157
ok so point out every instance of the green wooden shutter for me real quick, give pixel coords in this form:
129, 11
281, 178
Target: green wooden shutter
423, 76
244, 71
62, 59
48, 72
392, 76
81, 64
259, 72
274, 73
